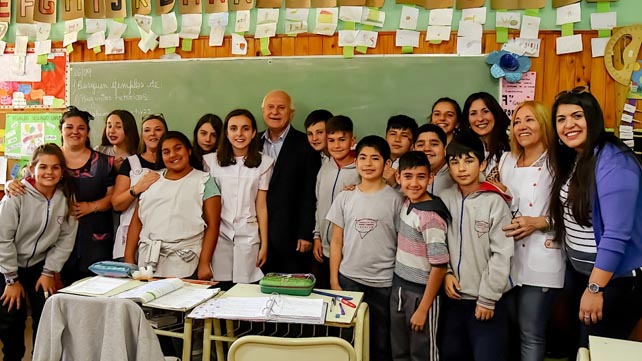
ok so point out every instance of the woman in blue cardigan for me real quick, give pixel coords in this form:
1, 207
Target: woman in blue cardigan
595, 202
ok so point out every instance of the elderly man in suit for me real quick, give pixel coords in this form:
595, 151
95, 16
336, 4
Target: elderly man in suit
291, 200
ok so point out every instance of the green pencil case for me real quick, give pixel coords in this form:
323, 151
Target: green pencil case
295, 284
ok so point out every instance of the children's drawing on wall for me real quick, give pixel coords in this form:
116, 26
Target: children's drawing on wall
636, 82
33, 136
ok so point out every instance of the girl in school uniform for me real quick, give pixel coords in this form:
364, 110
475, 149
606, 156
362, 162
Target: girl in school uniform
136, 176
485, 117
243, 174
445, 113
207, 134
93, 177
36, 238
538, 265
120, 136
175, 224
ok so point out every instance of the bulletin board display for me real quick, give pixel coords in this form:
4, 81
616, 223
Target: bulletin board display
24, 83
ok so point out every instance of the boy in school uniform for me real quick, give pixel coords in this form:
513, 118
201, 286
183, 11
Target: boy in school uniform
421, 263
335, 174
315, 131
476, 316
432, 140
401, 132
364, 240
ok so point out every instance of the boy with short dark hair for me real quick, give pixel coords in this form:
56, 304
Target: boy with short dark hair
476, 317
333, 176
401, 132
431, 139
421, 263
315, 130
364, 240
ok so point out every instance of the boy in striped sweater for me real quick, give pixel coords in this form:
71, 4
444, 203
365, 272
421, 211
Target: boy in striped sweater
421, 261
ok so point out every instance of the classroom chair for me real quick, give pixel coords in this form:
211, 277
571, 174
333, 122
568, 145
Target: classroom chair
94, 328
266, 348
583, 354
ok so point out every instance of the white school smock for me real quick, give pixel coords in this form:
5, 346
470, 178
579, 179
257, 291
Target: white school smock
171, 212
238, 242
537, 260
135, 174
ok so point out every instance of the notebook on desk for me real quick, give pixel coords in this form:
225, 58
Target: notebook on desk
333, 314
275, 308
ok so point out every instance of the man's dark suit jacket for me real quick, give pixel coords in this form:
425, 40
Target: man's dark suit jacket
291, 203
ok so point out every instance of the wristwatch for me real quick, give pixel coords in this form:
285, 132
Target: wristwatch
594, 288
11, 281
132, 193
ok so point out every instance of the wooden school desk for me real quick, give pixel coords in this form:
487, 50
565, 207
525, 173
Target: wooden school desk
355, 318
607, 349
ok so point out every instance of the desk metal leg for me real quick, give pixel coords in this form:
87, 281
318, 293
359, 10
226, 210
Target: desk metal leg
207, 342
187, 339
220, 352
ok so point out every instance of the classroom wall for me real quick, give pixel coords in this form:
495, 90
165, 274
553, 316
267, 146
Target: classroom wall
628, 12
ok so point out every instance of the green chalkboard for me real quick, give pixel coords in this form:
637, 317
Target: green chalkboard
368, 89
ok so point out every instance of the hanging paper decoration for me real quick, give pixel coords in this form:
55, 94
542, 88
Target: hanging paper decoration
508, 65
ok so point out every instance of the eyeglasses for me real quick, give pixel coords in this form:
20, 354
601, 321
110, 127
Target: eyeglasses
577, 90
153, 116
86, 114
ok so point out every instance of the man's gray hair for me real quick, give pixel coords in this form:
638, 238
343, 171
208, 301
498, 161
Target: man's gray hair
283, 91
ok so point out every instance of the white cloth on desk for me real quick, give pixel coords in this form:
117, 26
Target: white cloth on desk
238, 242
94, 328
171, 211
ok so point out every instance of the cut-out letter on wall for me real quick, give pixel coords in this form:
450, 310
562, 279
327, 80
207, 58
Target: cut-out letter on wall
45, 12
236, 5
269, 4
468, 4
215, 6
164, 6
73, 9
115, 9
95, 9
189, 6
141, 7
24, 13
5, 11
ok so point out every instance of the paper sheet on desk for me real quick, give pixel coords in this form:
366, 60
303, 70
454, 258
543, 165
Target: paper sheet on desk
96, 286
184, 298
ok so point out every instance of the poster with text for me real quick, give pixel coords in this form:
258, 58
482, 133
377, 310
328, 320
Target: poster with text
24, 132
512, 94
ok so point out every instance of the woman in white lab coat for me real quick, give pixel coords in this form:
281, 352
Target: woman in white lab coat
538, 265
243, 175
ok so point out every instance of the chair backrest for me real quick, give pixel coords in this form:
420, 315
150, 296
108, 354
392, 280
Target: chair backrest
266, 348
94, 328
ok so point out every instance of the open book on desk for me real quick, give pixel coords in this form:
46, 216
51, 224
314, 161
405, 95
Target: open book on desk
170, 294
275, 308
